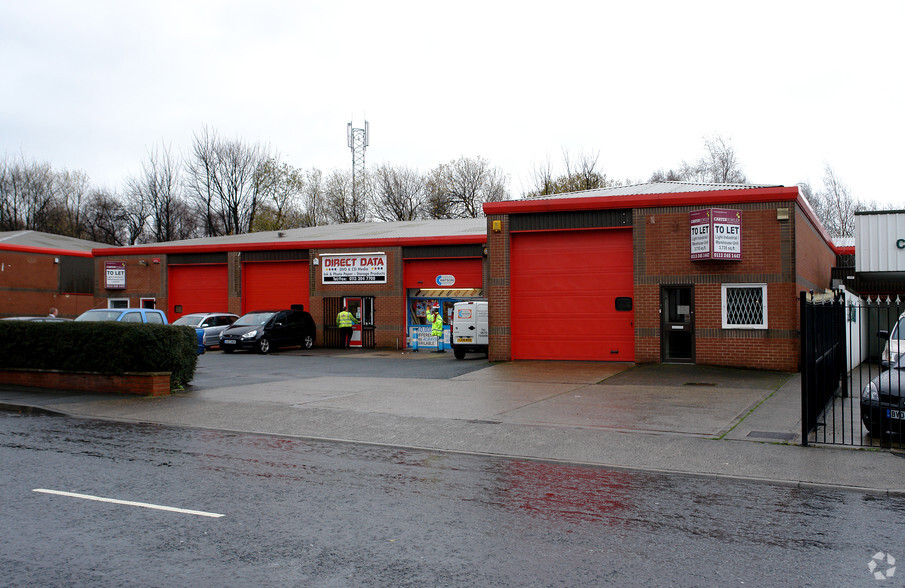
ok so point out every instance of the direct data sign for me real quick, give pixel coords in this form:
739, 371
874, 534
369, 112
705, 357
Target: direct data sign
361, 268
716, 233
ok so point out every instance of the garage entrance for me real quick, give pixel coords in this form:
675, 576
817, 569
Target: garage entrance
572, 295
196, 288
274, 285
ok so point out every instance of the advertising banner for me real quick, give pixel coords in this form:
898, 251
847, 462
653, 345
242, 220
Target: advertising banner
361, 268
115, 275
716, 233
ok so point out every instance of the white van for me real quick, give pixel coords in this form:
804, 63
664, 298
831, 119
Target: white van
470, 330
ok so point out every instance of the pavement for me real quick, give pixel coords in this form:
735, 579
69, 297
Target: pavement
677, 419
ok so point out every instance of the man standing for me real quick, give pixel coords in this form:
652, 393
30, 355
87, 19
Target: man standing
437, 328
345, 320
53, 313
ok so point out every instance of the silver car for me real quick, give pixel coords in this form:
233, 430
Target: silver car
210, 322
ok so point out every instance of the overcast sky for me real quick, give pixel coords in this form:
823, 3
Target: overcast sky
793, 85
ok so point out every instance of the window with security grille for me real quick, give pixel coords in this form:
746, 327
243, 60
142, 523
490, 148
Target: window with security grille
744, 306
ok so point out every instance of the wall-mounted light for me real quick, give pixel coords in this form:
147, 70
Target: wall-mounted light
316, 261
142, 262
496, 226
782, 214
56, 260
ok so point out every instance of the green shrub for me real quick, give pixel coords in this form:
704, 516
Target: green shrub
111, 348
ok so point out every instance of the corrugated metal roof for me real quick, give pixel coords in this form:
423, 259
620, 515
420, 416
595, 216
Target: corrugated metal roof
465, 227
46, 241
654, 188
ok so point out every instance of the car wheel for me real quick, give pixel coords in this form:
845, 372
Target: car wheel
264, 345
876, 430
459, 352
308, 342
227, 350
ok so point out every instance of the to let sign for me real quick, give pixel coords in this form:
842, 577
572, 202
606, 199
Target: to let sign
115, 275
362, 268
716, 233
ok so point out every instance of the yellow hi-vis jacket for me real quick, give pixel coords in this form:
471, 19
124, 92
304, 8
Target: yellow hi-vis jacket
437, 326
344, 319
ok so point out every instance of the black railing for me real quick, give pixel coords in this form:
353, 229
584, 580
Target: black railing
331, 337
842, 345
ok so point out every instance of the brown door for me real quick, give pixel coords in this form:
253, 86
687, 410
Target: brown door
677, 324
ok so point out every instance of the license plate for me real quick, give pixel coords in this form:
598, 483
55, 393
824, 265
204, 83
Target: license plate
463, 340
897, 414
229, 341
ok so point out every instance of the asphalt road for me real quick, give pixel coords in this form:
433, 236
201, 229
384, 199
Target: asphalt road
274, 511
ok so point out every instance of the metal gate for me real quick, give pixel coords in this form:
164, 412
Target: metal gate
843, 342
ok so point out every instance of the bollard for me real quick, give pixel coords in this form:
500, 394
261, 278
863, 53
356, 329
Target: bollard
440, 342
415, 342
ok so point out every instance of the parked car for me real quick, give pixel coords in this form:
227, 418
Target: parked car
895, 346
212, 323
268, 330
124, 315
883, 401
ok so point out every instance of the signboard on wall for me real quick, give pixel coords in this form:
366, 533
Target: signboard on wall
360, 268
716, 233
115, 275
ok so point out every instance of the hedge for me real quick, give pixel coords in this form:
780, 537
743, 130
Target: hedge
102, 347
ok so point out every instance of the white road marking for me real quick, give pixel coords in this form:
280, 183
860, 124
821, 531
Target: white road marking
199, 513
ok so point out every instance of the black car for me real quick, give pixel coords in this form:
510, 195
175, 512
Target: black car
268, 330
883, 401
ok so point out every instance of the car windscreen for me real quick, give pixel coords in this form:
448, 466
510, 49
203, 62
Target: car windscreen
189, 320
100, 315
253, 319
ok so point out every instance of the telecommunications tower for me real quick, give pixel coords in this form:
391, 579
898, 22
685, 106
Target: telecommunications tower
358, 142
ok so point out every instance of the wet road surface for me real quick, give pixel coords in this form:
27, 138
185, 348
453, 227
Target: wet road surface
298, 513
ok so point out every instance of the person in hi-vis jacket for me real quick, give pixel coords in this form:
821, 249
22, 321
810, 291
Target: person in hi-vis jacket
345, 320
437, 327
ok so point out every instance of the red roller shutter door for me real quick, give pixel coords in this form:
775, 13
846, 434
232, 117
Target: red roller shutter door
197, 288
274, 285
564, 286
422, 273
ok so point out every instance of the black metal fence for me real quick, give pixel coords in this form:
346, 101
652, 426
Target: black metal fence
848, 396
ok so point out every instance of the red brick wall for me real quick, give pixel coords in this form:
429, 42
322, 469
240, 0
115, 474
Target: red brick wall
497, 289
814, 258
389, 299
143, 384
662, 257
142, 281
29, 286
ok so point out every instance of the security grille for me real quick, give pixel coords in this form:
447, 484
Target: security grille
745, 306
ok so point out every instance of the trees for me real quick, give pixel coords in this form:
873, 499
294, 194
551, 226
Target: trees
157, 195
398, 193
28, 195
834, 205
580, 174
718, 165
342, 203
458, 189
226, 180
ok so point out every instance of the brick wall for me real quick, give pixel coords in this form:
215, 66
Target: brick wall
497, 289
389, 299
144, 279
142, 384
662, 257
29, 286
